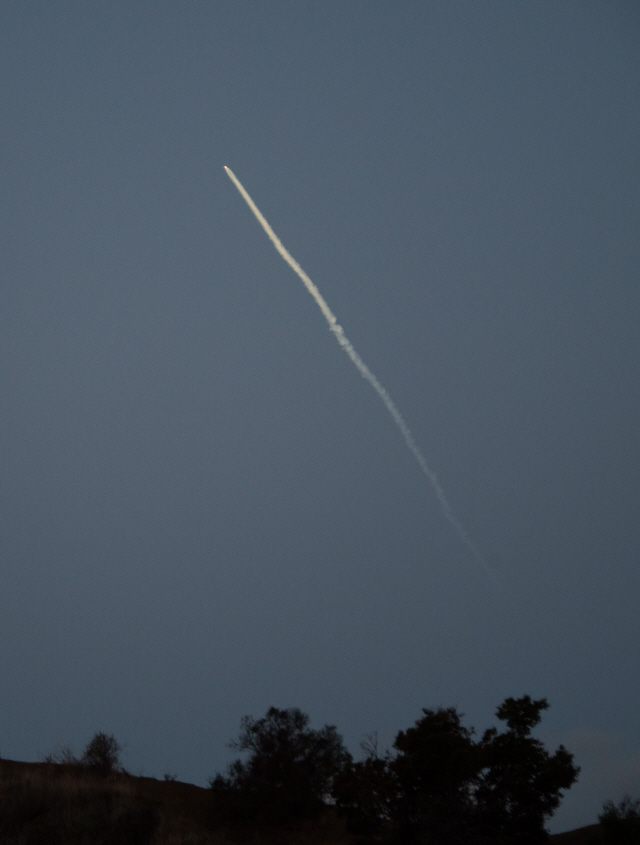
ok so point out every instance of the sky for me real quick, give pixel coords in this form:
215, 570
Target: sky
206, 510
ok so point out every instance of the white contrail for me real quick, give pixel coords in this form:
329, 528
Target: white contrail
362, 367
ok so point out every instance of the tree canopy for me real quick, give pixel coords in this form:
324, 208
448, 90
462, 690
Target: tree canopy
442, 786
290, 769
439, 785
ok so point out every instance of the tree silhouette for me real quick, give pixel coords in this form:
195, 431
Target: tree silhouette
364, 790
444, 787
290, 770
435, 771
521, 782
102, 754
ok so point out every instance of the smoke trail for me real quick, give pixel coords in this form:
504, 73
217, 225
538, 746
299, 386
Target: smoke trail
364, 371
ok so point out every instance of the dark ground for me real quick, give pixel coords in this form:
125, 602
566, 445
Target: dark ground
57, 804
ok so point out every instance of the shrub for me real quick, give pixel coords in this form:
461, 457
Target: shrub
621, 823
63, 757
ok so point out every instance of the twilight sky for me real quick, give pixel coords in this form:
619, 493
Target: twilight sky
205, 509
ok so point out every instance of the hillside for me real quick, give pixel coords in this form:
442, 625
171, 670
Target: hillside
56, 804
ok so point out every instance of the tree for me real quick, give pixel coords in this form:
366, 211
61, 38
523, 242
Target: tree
443, 787
102, 754
422, 793
363, 791
435, 771
290, 769
521, 783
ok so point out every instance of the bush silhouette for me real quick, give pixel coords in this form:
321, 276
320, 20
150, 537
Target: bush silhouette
621, 823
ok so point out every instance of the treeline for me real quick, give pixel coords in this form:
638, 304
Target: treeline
439, 785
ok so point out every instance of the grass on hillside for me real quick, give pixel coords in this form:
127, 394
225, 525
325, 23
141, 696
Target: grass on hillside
58, 804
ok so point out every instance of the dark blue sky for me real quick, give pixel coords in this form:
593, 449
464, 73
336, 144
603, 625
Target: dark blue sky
205, 509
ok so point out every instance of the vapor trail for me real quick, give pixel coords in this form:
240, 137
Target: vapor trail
364, 370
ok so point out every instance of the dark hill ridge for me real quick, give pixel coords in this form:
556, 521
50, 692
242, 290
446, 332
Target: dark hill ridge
65, 804
582, 836
59, 804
